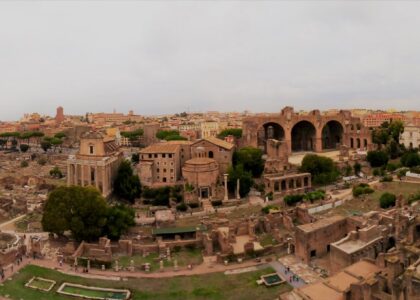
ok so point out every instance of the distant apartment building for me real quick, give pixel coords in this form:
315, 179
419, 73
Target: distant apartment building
376, 120
113, 118
160, 164
209, 129
411, 136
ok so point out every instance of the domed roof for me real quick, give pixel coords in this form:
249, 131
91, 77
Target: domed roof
92, 135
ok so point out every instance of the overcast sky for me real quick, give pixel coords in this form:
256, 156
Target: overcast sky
166, 57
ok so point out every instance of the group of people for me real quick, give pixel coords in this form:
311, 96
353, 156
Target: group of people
292, 277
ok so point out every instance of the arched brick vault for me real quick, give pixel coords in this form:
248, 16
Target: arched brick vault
326, 131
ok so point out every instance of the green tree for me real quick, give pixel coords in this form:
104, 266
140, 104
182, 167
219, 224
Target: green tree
169, 135
56, 172
60, 135
135, 158
81, 210
127, 185
322, 169
251, 159
377, 158
24, 147
45, 145
245, 180
387, 200
410, 159
236, 132
119, 219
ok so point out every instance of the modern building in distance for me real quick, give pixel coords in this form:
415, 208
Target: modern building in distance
96, 164
376, 119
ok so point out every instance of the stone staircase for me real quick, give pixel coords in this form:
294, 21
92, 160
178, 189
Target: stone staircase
207, 207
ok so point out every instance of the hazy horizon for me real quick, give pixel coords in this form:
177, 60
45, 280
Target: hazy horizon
172, 56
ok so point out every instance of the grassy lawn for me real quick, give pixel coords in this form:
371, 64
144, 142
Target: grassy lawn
41, 284
371, 202
22, 224
267, 239
210, 286
184, 258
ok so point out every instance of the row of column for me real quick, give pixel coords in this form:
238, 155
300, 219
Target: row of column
290, 184
73, 171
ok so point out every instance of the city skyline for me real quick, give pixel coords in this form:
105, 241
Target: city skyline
161, 58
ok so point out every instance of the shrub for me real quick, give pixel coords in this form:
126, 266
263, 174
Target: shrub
316, 195
401, 172
377, 158
42, 161
387, 200
414, 198
266, 209
293, 199
270, 196
378, 172
56, 173
193, 205
182, 207
191, 247
410, 159
386, 178
176, 249
24, 147
362, 189
391, 167
24, 164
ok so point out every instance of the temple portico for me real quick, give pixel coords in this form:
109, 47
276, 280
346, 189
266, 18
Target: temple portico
96, 163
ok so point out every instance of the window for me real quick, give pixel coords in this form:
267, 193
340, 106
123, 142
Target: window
164, 179
170, 155
211, 154
164, 170
163, 155
157, 170
150, 155
156, 155
172, 170
91, 149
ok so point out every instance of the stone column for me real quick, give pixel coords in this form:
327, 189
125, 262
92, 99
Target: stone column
75, 175
96, 178
238, 196
89, 175
82, 171
104, 181
226, 188
69, 174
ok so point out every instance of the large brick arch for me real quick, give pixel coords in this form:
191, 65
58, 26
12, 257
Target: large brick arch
269, 130
332, 134
304, 136
287, 119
